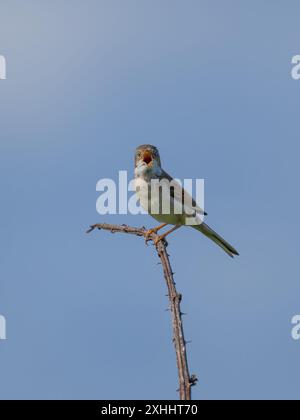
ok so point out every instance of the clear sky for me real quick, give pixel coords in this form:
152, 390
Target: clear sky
209, 83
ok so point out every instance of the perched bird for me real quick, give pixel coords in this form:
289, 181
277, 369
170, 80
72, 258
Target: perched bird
148, 170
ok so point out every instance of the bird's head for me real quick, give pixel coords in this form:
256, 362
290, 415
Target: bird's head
147, 158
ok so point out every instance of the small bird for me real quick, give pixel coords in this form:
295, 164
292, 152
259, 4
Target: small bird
148, 170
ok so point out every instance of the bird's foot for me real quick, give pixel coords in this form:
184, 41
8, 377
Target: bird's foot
148, 234
163, 237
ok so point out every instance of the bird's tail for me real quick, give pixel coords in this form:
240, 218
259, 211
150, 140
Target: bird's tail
211, 234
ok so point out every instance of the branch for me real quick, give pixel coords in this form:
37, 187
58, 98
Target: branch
185, 380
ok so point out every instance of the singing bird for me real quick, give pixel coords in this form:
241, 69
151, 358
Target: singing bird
155, 200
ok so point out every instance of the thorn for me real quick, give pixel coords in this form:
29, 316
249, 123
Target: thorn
188, 342
183, 313
193, 380
92, 227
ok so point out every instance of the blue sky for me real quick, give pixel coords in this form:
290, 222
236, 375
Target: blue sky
209, 83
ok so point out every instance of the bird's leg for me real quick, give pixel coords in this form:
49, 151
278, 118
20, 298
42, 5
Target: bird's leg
160, 238
154, 230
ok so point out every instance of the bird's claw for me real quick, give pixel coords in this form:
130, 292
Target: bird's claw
148, 233
158, 238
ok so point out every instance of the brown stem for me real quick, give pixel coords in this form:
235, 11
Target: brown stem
185, 380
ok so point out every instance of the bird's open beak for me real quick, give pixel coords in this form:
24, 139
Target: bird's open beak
147, 157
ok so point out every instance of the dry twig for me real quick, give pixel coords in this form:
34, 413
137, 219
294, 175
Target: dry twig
185, 380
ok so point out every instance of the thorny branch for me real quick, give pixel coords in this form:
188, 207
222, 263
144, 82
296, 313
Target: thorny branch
185, 380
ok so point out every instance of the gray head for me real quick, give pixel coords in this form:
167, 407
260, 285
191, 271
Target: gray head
147, 156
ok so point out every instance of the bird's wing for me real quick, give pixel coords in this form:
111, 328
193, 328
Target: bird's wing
180, 194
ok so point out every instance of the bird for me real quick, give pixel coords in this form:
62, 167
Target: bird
148, 171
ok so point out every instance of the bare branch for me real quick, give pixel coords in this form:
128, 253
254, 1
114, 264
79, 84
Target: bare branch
185, 380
